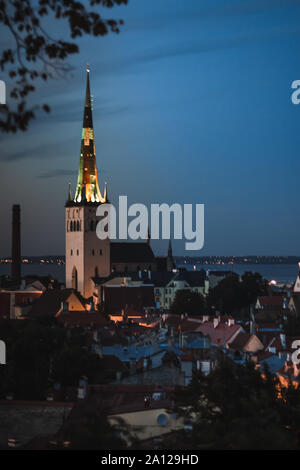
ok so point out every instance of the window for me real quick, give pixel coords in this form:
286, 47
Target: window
74, 279
93, 252
100, 252
71, 252
77, 252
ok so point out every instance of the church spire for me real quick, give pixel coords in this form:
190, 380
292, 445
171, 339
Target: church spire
170, 260
69, 193
87, 189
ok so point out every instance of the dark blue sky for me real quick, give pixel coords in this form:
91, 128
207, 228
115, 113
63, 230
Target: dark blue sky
192, 105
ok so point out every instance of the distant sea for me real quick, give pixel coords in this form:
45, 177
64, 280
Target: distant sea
277, 272
56, 271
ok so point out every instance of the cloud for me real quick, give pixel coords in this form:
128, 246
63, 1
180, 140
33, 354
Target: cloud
193, 48
42, 151
189, 12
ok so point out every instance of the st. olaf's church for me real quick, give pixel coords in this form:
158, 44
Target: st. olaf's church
87, 257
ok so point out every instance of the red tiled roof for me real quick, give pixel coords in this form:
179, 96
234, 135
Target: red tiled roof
190, 325
221, 334
270, 338
122, 398
271, 301
240, 341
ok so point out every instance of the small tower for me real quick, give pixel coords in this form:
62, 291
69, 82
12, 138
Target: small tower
86, 255
297, 282
170, 260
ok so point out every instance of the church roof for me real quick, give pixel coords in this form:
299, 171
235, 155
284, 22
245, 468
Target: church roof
133, 252
158, 278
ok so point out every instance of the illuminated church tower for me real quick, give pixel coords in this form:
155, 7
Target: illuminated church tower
86, 255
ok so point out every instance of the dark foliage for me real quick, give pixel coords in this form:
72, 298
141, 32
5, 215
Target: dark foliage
188, 302
232, 294
89, 428
237, 407
38, 55
40, 353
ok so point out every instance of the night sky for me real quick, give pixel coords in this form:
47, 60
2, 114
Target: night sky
192, 104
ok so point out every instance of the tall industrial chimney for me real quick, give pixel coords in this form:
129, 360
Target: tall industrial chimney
16, 243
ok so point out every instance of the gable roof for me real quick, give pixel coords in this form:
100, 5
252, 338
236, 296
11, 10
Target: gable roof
240, 341
295, 298
221, 334
193, 278
49, 304
271, 301
189, 325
